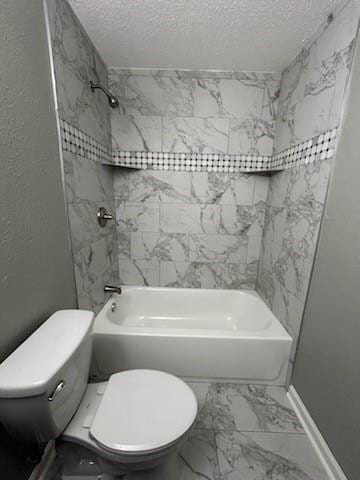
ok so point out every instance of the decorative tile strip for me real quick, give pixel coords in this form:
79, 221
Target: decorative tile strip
320, 147
192, 162
75, 141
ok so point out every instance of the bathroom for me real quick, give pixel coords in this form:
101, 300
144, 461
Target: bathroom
191, 183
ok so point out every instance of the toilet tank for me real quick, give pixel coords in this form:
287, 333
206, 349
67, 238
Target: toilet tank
42, 382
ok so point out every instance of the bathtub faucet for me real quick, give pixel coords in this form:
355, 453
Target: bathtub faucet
112, 289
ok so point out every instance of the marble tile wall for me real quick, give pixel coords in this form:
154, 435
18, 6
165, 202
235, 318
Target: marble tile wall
89, 184
312, 99
314, 84
194, 111
189, 229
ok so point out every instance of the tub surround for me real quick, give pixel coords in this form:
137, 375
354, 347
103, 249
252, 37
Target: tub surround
312, 98
195, 112
84, 115
197, 222
76, 62
313, 86
189, 229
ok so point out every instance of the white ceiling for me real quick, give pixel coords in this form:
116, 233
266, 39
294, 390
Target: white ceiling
258, 35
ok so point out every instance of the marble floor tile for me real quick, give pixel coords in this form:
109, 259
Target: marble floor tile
245, 408
265, 456
197, 460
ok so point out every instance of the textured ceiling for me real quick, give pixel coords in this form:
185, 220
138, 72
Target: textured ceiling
260, 35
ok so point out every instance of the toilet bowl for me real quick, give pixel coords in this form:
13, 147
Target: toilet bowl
134, 421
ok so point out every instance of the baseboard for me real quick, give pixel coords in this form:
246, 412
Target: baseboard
42, 469
321, 448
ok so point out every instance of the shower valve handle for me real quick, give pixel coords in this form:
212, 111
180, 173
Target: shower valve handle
103, 216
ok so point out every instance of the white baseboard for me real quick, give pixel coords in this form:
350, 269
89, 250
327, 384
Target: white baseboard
321, 448
41, 469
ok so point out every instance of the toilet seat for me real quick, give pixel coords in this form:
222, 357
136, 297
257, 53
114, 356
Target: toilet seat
143, 411
98, 426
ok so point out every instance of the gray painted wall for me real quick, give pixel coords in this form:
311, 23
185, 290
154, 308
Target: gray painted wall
36, 272
327, 365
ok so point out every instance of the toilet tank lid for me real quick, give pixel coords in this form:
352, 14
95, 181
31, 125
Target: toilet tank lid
28, 371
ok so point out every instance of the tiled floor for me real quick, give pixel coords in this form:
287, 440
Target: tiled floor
244, 432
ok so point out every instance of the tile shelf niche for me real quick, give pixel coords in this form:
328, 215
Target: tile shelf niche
192, 162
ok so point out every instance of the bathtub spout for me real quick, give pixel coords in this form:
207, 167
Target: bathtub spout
112, 289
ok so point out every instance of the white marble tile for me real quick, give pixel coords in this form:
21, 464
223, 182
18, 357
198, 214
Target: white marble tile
313, 86
228, 98
218, 248
257, 456
261, 188
93, 298
270, 103
293, 82
68, 159
135, 133
92, 261
242, 220
265, 284
163, 246
84, 226
254, 136
94, 268
253, 250
139, 272
183, 218
206, 275
287, 309
76, 62
278, 189
121, 185
123, 241
209, 135
198, 458
230, 406
154, 95
159, 186
223, 188
92, 181
133, 217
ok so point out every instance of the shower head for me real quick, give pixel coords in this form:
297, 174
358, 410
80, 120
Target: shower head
113, 101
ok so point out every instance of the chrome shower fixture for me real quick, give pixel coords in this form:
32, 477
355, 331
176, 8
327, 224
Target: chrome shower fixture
113, 101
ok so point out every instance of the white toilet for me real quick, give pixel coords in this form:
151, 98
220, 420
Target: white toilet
134, 421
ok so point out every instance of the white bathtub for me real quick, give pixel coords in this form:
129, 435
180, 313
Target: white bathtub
226, 335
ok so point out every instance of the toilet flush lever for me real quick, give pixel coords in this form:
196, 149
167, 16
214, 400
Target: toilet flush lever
57, 390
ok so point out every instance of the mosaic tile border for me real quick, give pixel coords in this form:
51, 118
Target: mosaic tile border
75, 141
318, 148
195, 162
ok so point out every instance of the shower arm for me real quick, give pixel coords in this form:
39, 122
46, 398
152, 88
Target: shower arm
113, 101
94, 86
